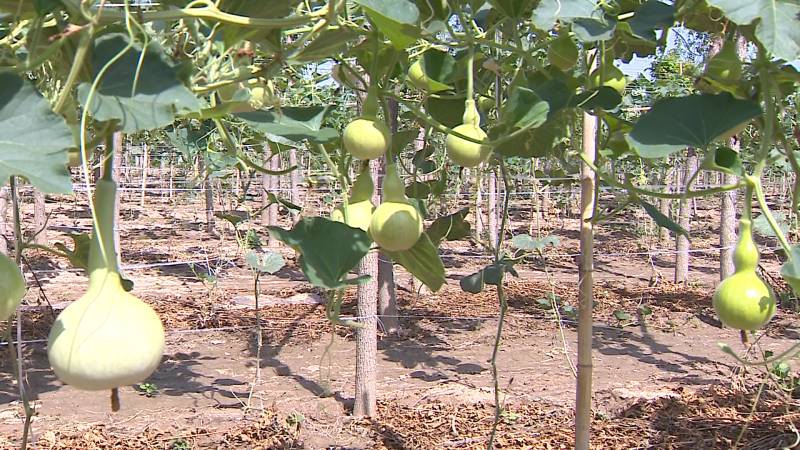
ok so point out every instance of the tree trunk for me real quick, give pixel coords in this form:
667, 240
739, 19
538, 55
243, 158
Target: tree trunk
116, 144
387, 295
4, 200
479, 203
583, 396
665, 204
367, 336
275, 187
145, 163
39, 217
294, 177
684, 220
265, 188
208, 190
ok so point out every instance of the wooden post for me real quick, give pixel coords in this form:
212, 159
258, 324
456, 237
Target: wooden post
583, 397
4, 200
145, 163
684, 220
39, 217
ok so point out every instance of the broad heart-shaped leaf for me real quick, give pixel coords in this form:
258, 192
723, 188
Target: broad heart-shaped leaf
33, 139
777, 23
524, 109
512, 8
592, 30
662, 220
548, 12
448, 111
604, 98
534, 143
423, 261
295, 123
266, 262
188, 141
491, 274
762, 226
651, 16
526, 242
790, 271
159, 95
438, 66
397, 19
451, 227
695, 120
79, 255
327, 44
328, 250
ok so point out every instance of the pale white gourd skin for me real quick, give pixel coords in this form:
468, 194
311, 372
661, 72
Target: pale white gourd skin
106, 339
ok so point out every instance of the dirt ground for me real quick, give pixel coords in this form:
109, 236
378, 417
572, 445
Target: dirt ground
660, 380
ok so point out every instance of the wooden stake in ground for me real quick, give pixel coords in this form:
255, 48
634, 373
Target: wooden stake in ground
39, 217
366, 402
583, 401
684, 220
4, 200
145, 163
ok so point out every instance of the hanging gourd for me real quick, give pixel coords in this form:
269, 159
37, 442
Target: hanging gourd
367, 137
358, 212
396, 224
107, 338
12, 287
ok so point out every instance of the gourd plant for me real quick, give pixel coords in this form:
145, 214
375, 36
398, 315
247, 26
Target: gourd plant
13, 284
107, 338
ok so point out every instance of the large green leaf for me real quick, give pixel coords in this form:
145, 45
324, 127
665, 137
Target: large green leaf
662, 220
33, 139
548, 12
534, 143
451, 227
423, 261
777, 22
328, 250
524, 109
652, 16
675, 123
329, 43
397, 19
140, 97
295, 123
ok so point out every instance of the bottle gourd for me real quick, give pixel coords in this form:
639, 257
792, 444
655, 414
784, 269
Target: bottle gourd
396, 224
367, 137
12, 287
108, 337
743, 300
463, 152
358, 213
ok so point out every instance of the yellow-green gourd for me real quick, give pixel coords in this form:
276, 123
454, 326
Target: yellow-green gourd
396, 224
743, 300
463, 152
367, 137
12, 287
359, 206
108, 337
614, 78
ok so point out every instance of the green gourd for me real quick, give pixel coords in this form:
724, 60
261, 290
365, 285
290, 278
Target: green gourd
107, 338
367, 137
12, 287
463, 152
743, 300
396, 224
359, 206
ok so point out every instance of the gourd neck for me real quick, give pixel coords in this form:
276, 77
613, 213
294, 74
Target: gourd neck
362, 187
393, 188
370, 108
471, 114
102, 251
745, 254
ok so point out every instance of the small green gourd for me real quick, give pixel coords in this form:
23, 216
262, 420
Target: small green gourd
396, 224
359, 206
12, 286
463, 152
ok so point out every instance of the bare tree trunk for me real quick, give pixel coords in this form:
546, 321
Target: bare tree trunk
275, 186
208, 190
171, 179
583, 396
265, 188
479, 203
684, 220
116, 143
665, 204
294, 177
4, 200
387, 295
494, 237
145, 163
39, 217
367, 336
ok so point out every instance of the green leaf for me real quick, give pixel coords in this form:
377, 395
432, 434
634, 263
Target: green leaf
762, 227
512, 8
472, 284
524, 109
652, 15
776, 23
696, 120
267, 262
159, 95
451, 227
621, 316
549, 12
295, 123
526, 242
328, 43
328, 250
593, 30
33, 139
447, 111
790, 271
534, 143
439, 67
662, 220
79, 256
604, 98
397, 19
401, 139
423, 261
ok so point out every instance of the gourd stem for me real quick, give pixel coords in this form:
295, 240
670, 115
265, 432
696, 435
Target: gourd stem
102, 253
393, 189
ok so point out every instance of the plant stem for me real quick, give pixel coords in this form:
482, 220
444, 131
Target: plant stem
498, 409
